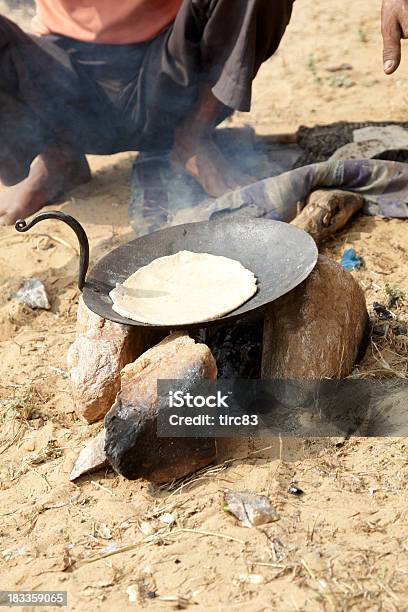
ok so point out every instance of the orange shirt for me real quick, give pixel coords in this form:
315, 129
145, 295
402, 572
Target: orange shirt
105, 21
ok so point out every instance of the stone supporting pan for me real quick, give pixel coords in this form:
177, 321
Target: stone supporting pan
132, 445
100, 351
318, 330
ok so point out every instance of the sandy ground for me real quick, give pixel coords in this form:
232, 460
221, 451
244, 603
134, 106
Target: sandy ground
343, 545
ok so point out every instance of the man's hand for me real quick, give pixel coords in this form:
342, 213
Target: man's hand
394, 28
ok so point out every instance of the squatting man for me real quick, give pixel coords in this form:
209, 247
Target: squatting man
136, 75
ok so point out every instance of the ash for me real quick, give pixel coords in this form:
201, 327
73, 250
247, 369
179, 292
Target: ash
237, 348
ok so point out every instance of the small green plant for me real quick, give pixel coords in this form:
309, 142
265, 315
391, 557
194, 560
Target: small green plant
20, 409
395, 295
311, 65
341, 80
362, 36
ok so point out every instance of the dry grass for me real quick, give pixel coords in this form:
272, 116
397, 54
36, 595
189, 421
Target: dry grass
387, 353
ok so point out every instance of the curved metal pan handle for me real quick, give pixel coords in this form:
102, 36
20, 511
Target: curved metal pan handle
22, 226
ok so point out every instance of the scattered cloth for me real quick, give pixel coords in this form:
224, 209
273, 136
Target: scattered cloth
350, 260
386, 142
392, 137
320, 142
383, 184
160, 199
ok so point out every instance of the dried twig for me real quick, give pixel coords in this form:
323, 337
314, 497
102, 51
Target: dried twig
327, 211
160, 536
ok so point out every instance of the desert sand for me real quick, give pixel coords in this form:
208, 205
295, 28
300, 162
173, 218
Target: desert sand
343, 544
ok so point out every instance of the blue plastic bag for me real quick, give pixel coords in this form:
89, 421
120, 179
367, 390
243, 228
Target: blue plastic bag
350, 260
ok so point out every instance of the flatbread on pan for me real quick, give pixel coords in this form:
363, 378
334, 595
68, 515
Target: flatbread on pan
184, 289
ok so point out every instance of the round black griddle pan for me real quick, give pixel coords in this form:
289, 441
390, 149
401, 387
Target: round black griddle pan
280, 255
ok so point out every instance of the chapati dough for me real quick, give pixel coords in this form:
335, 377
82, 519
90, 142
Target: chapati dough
183, 289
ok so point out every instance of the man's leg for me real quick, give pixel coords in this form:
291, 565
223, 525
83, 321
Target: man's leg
26, 74
195, 150
231, 39
57, 170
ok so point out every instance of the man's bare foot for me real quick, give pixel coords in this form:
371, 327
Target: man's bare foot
196, 152
56, 171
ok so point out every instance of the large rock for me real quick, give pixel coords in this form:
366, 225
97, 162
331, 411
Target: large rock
95, 359
317, 330
132, 445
